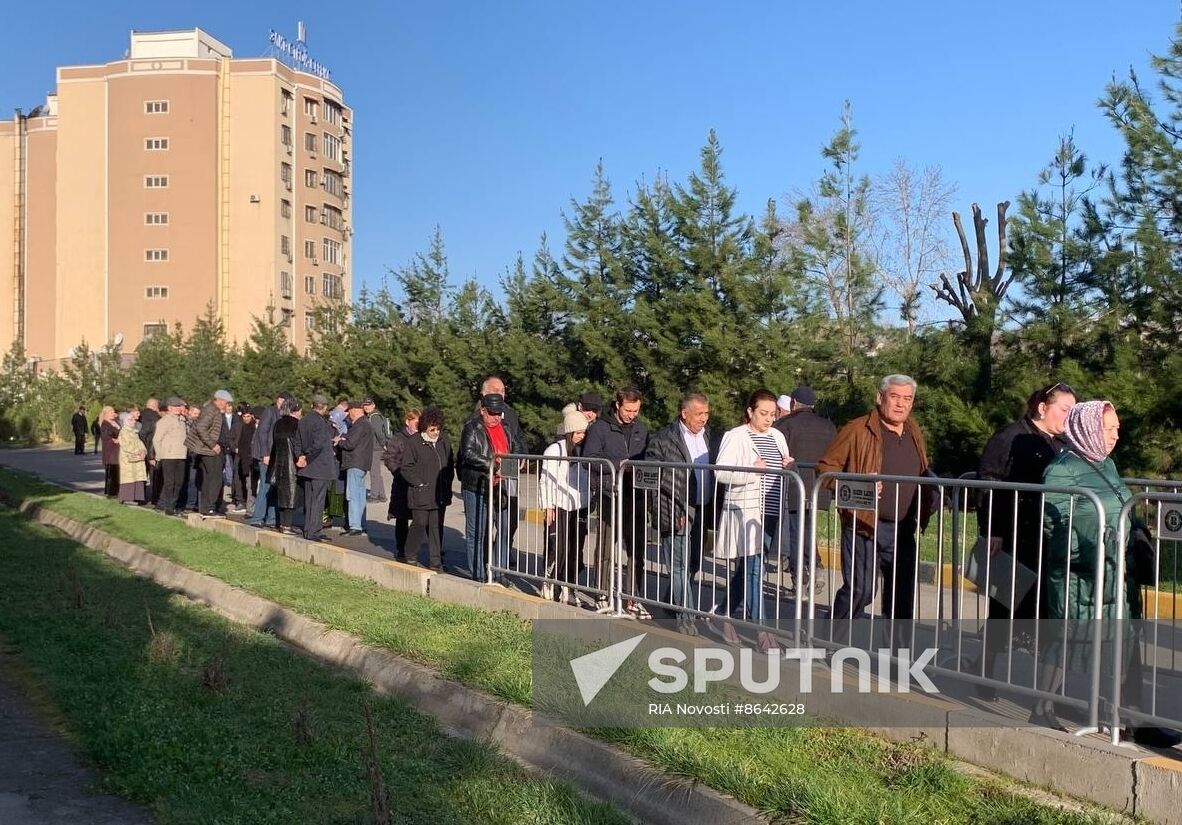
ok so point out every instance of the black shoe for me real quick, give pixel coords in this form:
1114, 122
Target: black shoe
1152, 737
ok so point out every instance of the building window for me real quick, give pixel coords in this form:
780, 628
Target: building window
285, 246
156, 292
332, 146
332, 183
284, 102
285, 208
155, 144
155, 329
310, 178
156, 182
332, 251
332, 217
285, 318
285, 135
310, 214
285, 175
332, 113
155, 255
333, 286
310, 321
155, 218
311, 108
156, 107
285, 284
310, 142
310, 250
310, 284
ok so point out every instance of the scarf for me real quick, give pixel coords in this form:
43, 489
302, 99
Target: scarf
1085, 429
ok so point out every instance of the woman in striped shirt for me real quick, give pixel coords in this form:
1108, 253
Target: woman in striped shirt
750, 518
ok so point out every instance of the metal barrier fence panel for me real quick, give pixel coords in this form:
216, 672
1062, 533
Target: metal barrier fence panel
1146, 688
708, 540
549, 520
963, 586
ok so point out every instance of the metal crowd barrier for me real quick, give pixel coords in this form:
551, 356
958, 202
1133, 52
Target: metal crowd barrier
700, 537
924, 610
568, 504
1147, 679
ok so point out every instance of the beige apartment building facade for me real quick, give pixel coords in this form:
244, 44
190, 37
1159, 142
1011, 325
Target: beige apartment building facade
179, 177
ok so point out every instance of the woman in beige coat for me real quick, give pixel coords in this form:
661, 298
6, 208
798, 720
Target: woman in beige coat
132, 452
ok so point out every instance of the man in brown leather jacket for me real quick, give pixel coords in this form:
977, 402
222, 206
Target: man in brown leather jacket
887, 442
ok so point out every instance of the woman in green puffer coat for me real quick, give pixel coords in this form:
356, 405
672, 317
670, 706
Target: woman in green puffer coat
1074, 547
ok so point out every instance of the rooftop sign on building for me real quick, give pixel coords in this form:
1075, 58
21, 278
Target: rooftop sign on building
296, 53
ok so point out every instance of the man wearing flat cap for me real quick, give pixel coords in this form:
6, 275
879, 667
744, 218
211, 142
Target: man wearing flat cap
809, 436
168, 445
485, 438
356, 458
203, 443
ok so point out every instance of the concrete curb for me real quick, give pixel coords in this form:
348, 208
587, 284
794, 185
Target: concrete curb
635, 787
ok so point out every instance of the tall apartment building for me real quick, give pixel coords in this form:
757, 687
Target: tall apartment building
148, 188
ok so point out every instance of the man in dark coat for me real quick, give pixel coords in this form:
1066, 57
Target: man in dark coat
149, 417
78, 425
617, 435
318, 465
809, 436
683, 508
399, 510
204, 442
484, 439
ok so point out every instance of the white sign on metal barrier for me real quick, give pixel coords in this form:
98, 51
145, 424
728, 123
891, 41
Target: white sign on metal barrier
646, 478
857, 495
1171, 521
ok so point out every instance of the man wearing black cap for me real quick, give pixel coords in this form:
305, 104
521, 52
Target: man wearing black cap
356, 458
809, 436
589, 404
485, 438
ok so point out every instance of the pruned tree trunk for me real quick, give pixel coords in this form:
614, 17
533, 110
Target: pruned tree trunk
977, 293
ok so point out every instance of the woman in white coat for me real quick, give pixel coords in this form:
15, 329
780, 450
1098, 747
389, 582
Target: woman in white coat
749, 520
564, 492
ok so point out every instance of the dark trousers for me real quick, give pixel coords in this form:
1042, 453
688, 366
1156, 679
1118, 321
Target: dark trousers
79, 444
211, 483
285, 518
315, 493
182, 499
172, 475
401, 533
246, 477
111, 479
427, 523
564, 544
890, 551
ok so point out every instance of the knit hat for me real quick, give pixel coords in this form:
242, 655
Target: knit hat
573, 421
1085, 429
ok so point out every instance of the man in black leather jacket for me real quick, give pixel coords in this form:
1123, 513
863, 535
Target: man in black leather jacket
484, 439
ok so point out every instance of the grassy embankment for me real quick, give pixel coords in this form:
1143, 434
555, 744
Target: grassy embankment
814, 775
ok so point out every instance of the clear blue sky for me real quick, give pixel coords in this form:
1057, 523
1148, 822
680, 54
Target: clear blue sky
487, 118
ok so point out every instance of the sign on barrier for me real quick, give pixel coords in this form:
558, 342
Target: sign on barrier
857, 495
1171, 521
509, 468
646, 478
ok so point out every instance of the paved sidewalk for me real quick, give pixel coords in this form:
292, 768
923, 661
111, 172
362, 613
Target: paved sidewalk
42, 780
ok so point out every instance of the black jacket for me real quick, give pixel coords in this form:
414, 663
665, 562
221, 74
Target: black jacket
1018, 452
148, 419
260, 445
809, 436
678, 486
231, 434
78, 425
242, 455
392, 457
357, 446
428, 470
316, 435
476, 454
606, 439
286, 447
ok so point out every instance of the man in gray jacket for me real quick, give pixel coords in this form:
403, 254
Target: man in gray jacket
168, 445
203, 444
317, 466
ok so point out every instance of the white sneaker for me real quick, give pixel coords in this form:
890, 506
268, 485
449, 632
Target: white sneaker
548, 591
565, 597
602, 605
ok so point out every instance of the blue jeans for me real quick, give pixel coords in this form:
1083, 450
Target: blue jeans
476, 533
264, 502
747, 580
355, 496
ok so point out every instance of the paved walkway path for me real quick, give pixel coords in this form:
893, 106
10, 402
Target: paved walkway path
42, 780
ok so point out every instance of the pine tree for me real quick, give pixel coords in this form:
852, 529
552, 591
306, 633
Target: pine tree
207, 363
268, 364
